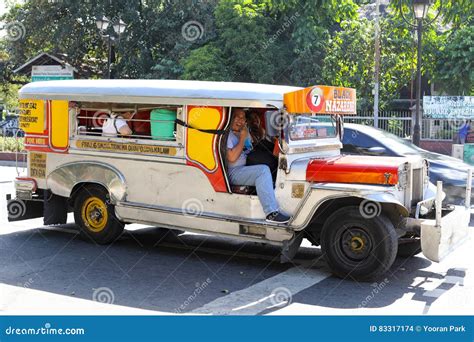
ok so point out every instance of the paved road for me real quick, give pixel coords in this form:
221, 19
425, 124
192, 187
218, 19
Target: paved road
152, 270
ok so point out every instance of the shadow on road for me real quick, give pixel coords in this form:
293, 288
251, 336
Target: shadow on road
157, 269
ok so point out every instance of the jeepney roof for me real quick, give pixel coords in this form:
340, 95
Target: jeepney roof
159, 92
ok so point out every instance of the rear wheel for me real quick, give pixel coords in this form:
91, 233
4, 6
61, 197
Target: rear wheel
95, 215
357, 247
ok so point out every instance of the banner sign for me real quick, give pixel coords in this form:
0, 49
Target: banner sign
448, 107
321, 100
51, 72
109, 146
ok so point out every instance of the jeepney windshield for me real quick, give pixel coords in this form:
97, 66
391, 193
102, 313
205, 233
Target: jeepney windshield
308, 127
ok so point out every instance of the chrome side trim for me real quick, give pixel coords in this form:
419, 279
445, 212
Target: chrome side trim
208, 232
205, 215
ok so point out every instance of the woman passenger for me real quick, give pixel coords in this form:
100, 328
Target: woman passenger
255, 175
262, 152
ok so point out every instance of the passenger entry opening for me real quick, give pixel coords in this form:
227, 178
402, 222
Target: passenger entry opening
263, 134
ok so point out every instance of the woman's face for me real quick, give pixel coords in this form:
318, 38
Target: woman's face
238, 121
254, 120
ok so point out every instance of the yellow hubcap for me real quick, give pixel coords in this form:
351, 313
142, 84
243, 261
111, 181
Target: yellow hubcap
94, 214
357, 243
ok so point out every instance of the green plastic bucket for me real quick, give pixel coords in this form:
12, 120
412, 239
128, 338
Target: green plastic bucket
469, 154
162, 124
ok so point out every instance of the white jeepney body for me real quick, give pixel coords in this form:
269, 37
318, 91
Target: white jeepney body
182, 182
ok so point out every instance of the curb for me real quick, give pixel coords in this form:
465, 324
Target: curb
12, 156
10, 159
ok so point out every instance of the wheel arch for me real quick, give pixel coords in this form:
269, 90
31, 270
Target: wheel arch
392, 210
68, 178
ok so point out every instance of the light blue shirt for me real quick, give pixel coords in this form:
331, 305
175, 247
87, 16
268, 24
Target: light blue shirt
232, 141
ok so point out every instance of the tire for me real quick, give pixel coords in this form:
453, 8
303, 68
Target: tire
409, 249
360, 248
54, 209
95, 215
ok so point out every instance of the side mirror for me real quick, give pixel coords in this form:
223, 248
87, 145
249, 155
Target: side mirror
340, 127
377, 150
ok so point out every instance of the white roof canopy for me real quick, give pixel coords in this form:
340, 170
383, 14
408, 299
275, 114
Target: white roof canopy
159, 92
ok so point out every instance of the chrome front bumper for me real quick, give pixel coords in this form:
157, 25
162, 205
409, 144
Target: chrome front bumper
446, 232
439, 239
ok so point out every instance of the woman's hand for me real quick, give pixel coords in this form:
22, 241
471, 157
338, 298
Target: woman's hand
243, 134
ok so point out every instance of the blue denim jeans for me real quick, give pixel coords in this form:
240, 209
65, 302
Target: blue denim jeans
260, 177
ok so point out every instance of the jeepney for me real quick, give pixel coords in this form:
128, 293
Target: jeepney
171, 171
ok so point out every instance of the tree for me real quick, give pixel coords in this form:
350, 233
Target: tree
151, 46
455, 63
272, 41
265, 41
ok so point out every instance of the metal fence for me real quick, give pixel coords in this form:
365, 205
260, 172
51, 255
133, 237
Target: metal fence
400, 123
11, 136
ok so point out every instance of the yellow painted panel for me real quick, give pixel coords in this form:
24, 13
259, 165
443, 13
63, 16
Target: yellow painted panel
199, 145
32, 116
59, 124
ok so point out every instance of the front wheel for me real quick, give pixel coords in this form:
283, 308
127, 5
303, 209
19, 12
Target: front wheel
95, 215
356, 247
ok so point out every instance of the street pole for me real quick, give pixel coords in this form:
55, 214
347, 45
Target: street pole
109, 55
377, 64
417, 128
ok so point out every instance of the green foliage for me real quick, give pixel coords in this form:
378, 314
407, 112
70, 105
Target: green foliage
350, 57
455, 63
291, 42
452, 12
207, 64
12, 144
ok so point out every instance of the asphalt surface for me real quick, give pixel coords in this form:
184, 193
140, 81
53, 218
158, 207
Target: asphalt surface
151, 270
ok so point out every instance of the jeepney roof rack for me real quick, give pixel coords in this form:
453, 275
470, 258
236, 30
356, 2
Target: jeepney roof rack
168, 92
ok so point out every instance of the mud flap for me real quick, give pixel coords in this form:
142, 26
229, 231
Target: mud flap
55, 209
290, 247
437, 241
19, 210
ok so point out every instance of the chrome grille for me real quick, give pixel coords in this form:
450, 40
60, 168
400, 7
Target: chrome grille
417, 186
